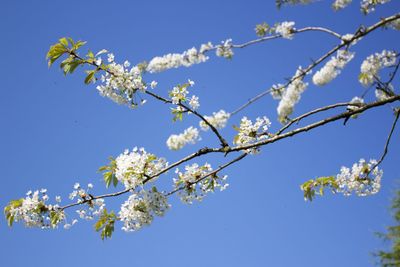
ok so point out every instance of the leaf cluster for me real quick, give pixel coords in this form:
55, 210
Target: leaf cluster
317, 187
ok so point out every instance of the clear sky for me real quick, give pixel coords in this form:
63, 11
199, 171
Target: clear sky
56, 131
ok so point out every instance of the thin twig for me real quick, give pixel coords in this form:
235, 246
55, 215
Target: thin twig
188, 109
305, 115
359, 33
207, 175
385, 150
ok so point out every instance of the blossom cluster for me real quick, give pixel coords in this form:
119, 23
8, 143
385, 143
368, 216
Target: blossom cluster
179, 94
133, 167
249, 132
374, 63
189, 136
186, 59
291, 95
382, 94
196, 181
368, 6
31, 210
340, 4
332, 68
285, 29
140, 208
363, 178
225, 49
218, 120
93, 208
120, 83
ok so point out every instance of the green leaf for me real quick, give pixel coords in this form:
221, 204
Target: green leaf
90, 54
105, 224
103, 168
55, 52
13, 204
64, 41
78, 44
90, 76
55, 218
115, 180
236, 128
108, 177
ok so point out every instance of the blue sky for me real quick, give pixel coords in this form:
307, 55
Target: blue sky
56, 131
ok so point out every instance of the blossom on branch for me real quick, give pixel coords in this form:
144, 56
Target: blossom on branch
189, 136
332, 68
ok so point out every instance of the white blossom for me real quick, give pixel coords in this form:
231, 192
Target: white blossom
363, 178
381, 95
153, 84
132, 167
186, 59
373, 64
277, 90
94, 209
194, 102
33, 210
140, 208
285, 29
291, 96
225, 49
249, 132
340, 4
218, 120
194, 184
121, 83
332, 68
189, 136
368, 6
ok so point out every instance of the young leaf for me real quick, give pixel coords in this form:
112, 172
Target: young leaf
90, 76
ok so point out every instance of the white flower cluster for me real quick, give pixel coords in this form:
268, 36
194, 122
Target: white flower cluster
189, 136
332, 68
225, 49
373, 64
80, 192
285, 29
340, 4
32, 210
277, 90
179, 94
94, 209
195, 185
363, 179
381, 95
291, 96
218, 120
250, 133
368, 6
133, 167
140, 208
346, 38
121, 83
186, 59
